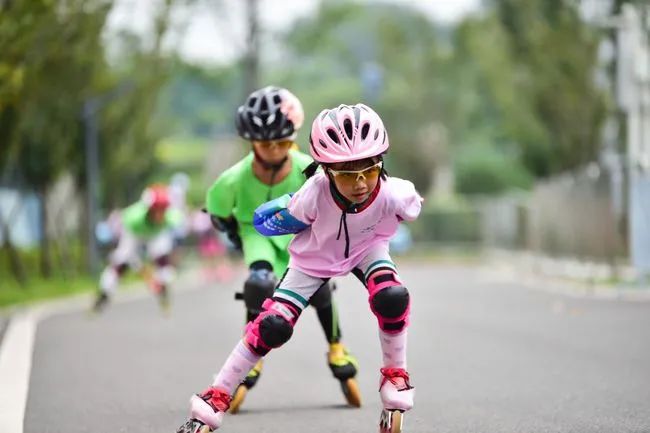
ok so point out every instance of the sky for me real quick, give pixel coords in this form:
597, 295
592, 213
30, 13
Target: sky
212, 31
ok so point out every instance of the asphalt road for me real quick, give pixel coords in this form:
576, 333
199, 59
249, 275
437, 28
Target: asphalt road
485, 356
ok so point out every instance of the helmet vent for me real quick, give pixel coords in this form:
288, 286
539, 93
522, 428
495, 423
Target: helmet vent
264, 106
376, 134
364, 131
333, 136
322, 143
277, 99
347, 125
357, 115
251, 102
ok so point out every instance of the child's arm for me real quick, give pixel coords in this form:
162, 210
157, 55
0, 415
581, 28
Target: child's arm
273, 218
219, 204
408, 201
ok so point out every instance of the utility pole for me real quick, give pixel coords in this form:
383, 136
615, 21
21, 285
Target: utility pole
633, 96
91, 108
251, 59
92, 178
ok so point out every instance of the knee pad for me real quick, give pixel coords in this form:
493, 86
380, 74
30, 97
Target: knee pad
258, 287
322, 298
273, 326
389, 301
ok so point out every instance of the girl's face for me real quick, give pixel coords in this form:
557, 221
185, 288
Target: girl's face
357, 179
272, 152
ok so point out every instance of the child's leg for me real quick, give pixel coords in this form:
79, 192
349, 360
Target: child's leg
343, 365
271, 328
259, 256
125, 253
390, 303
160, 250
322, 301
325, 307
274, 326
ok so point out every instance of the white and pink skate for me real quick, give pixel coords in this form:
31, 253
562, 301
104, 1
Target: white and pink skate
206, 411
396, 395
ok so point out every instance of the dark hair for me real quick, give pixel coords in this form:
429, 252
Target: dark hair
310, 170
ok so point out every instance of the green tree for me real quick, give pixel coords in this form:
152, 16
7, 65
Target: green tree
532, 64
330, 52
48, 53
52, 60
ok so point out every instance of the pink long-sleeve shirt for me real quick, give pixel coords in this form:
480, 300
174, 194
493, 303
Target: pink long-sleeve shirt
316, 250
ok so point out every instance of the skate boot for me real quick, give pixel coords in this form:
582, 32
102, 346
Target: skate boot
207, 410
396, 395
249, 382
344, 367
100, 303
163, 298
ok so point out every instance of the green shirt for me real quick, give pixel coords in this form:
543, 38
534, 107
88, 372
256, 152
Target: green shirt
134, 219
238, 192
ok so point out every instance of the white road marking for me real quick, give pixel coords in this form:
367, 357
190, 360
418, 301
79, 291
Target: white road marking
17, 347
15, 367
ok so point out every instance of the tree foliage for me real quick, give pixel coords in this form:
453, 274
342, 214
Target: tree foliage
532, 66
52, 61
516, 80
383, 55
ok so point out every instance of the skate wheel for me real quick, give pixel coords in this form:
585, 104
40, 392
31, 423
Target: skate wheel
238, 399
194, 426
390, 421
351, 391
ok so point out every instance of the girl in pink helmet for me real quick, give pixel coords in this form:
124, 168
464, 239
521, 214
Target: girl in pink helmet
344, 217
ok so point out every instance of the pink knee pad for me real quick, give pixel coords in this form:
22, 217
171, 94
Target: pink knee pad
273, 326
389, 301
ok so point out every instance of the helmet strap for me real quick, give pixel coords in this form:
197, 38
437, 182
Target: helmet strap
311, 169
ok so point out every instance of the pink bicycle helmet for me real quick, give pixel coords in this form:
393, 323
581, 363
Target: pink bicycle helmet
347, 133
156, 197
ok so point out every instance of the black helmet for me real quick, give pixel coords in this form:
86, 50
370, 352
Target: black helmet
271, 113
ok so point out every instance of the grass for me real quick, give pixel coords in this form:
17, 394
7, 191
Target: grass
183, 151
39, 289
